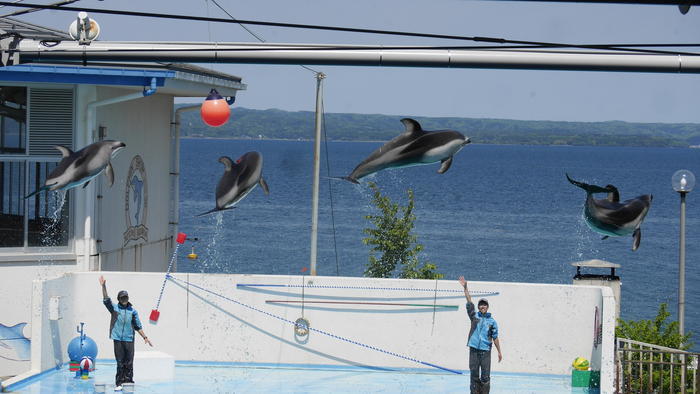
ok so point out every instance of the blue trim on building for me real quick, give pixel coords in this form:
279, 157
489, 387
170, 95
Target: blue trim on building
84, 75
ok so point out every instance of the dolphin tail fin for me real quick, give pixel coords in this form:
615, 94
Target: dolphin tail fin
344, 178
349, 179
445, 165
264, 186
109, 173
637, 238
212, 211
41, 189
588, 188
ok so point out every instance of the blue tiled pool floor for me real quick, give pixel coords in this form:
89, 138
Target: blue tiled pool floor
193, 378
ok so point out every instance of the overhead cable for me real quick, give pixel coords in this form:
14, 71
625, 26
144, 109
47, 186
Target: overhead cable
327, 28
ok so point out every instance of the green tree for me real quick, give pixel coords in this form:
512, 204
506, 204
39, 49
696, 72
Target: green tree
657, 332
392, 240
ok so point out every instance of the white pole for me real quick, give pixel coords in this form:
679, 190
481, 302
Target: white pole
681, 269
317, 171
356, 55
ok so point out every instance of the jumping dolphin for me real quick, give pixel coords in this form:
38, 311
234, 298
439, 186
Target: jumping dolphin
611, 217
239, 179
78, 168
414, 147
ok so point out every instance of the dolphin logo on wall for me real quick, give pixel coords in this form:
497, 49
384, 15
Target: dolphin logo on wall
609, 216
13, 340
239, 179
413, 147
79, 168
136, 201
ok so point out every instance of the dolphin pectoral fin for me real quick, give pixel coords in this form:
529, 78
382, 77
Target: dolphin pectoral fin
264, 186
605, 237
85, 184
109, 173
445, 165
65, 152
637, 238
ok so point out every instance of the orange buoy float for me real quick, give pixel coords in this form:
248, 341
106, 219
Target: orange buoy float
215, 110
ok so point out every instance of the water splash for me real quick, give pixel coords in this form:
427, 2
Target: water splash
51, 233
211, 261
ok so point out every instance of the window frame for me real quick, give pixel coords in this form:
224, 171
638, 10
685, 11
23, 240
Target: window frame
26, 252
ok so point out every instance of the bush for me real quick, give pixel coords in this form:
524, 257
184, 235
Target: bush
392, 240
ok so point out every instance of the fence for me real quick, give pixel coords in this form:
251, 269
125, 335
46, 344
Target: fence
647, 368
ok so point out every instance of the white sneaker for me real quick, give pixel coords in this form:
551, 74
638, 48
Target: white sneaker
118, 388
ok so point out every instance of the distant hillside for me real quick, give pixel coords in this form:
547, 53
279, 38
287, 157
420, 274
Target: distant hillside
278, 124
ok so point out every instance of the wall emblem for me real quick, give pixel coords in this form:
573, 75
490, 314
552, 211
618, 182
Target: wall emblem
15, 346
136, 202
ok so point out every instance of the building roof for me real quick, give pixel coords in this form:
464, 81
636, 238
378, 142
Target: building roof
178, 79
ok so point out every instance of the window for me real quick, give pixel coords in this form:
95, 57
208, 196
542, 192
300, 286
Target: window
43, 219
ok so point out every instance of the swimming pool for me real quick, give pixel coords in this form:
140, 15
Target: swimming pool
193, 377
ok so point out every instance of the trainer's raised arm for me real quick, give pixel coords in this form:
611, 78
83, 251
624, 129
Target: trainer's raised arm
463, 282
103, 283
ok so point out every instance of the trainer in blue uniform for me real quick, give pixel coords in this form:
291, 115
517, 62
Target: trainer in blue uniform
483, 332
125, 320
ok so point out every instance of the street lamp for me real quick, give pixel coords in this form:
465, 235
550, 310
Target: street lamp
683, 182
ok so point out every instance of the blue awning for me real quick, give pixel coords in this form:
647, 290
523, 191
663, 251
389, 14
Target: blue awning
84, 75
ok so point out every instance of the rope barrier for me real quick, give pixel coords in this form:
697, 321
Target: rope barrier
170, 266
316, 329
475, 293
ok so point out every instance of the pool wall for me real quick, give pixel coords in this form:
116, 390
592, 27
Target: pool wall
376, 323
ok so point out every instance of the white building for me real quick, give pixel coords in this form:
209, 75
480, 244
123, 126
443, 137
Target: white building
126, 227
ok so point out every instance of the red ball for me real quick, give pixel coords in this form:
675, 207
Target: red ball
215, 110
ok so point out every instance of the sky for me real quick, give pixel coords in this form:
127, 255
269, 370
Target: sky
473, 93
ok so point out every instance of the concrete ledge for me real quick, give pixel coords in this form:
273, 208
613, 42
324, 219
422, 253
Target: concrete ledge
153, 366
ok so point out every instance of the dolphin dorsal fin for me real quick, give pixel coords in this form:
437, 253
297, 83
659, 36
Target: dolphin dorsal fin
65, 152
613, 194
227, 162
412, 126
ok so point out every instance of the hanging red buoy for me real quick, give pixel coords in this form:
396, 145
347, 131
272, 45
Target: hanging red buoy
215, 110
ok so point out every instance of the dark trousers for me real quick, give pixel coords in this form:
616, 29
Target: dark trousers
124, 354
480, 380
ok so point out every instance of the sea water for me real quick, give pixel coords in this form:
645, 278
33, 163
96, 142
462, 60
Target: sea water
501, 213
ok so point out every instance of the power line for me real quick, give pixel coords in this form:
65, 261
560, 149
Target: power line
17, 13
259, 38
334, 28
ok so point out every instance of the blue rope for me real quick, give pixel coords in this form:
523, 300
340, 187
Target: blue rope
480, 293
317, 330
167, 273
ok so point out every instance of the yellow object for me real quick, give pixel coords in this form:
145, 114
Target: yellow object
193, 255
580, 363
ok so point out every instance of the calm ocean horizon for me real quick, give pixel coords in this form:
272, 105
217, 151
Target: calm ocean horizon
501, 213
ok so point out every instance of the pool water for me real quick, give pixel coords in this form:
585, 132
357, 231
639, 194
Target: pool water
193, 377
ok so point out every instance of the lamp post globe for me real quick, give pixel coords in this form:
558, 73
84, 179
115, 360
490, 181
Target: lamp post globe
683, 182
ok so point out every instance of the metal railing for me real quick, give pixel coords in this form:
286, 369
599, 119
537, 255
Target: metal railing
646, 368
